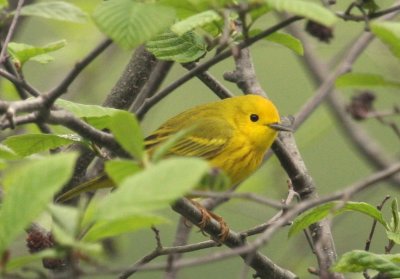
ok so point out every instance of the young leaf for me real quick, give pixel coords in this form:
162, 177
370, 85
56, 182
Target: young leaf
3, 4
197, 20
303, 8
394, 236
364, 80
182, 49
154, 188
127, 132
85, 111
288, 41
29, 144
58, 10
318, 213
22, 53
66, 217
7, 153
359, 260
64, 238
130, 23
389, 34
185, 9
110, 228
393, 232
27, 190
118, 170
97, 116
16, 263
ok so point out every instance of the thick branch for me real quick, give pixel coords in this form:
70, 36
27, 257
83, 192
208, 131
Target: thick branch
134, 77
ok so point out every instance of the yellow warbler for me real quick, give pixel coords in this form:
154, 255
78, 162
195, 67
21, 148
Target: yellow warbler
232, 134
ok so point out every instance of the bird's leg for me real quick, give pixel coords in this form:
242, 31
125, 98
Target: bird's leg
206, 216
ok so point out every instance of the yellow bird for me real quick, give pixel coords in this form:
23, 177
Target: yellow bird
231, 134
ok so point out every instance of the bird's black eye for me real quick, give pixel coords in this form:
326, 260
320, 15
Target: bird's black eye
254, 117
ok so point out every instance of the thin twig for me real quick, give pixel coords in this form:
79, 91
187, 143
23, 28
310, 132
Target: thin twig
374, 15
11, 30
213, 84
247, 196
156, 78
371, 234
60, 89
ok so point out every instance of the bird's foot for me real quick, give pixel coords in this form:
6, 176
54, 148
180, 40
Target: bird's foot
206, 216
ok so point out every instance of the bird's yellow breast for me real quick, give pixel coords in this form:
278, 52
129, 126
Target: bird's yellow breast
239, 158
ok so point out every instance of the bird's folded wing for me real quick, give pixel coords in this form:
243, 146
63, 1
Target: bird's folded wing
206, 139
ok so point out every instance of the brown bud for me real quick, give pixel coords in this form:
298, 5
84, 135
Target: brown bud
319, 31
39, 240
361, 105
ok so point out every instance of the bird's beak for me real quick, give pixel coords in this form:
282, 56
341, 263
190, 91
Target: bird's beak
280, 127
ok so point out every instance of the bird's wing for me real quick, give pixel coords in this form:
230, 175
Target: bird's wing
206, 138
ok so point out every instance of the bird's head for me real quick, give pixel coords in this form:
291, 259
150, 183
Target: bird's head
258, 119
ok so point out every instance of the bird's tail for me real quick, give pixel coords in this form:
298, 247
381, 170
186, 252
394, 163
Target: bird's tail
99, 182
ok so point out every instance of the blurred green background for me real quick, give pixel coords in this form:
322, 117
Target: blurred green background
332, 161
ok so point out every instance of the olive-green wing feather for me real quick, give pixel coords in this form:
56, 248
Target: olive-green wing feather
206, 138
99, 182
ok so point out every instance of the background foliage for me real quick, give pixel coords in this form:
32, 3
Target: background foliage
58, 34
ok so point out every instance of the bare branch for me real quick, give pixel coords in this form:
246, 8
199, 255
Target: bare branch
218, 88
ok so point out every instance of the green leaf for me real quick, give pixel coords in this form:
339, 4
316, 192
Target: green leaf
103, 229
182, 49
154, 188
127, 132
306, 9
66, 217
389, 34
197, 20
27, 190
7, 153
58, 10
64, 238
17, 263
364, 80
359, 260
22, 53
185, 9
118, 170
130, 23
97, 116
288, 41
394, 236
28, 144
261, 10
3, 4
393, 232
318, 213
